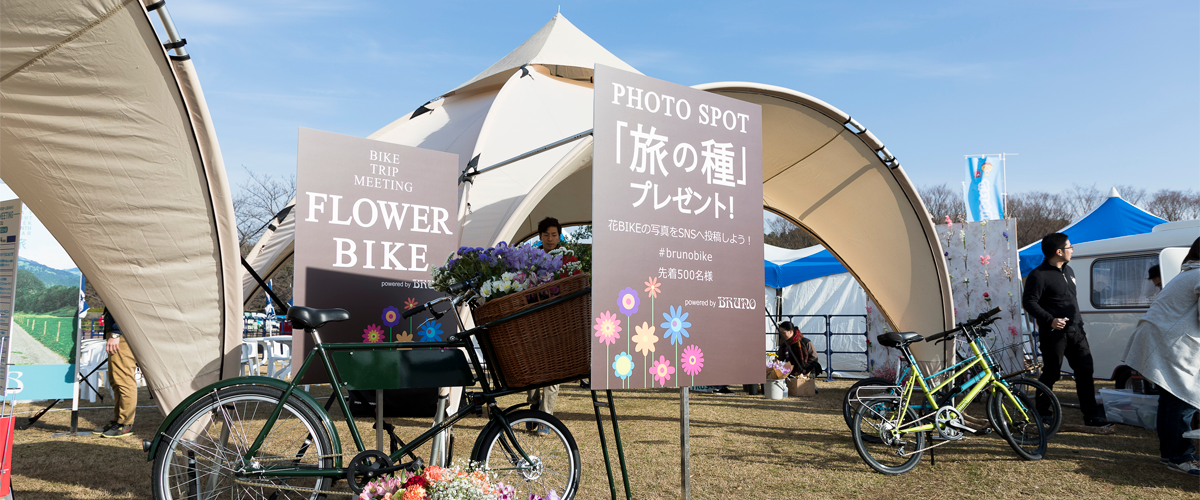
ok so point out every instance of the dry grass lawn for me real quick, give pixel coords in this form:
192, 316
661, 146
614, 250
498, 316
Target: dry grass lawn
743, 445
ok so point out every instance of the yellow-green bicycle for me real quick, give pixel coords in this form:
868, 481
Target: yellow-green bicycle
891, 437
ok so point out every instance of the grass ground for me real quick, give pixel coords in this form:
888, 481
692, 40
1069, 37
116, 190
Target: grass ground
52, 331
742, 446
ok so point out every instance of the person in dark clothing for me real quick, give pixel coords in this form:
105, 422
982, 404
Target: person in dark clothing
1050, 300
798, 351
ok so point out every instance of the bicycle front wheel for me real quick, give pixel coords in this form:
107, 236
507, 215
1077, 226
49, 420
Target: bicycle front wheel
553, 464
205, 445
1032, 390
878, 443
1016, 419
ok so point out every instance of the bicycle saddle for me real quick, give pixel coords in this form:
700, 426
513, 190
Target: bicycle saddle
308, 318
896, 339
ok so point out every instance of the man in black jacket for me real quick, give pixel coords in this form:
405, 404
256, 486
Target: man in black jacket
1050, 300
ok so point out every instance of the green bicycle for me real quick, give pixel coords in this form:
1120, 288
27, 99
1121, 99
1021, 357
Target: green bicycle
259, 437
891, 437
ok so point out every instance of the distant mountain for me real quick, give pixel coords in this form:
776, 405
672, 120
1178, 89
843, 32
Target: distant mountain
48, 275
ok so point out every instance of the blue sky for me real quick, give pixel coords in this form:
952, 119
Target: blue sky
1099, 92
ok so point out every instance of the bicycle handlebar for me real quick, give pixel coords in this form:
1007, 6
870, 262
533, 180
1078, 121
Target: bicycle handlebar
412, 312
979, 320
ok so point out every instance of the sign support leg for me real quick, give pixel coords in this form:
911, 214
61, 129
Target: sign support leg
612, 411
685, 483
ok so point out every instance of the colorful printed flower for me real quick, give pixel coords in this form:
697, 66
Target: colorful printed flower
676, 325
985, 259
949, 223
628, 301
869, 309
405, 337
391, 316
410, 303
662, 370
608, 328
623, 365
645, 339
1013, 330
653, 287
692, 360
431, 332
373, 334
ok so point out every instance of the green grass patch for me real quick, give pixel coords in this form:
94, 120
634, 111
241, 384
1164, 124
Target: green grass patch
54, 332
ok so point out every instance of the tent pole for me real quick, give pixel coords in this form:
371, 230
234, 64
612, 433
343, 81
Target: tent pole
466, 176
263, 284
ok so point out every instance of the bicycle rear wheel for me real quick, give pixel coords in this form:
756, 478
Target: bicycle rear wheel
850, 403
553, 465
877, 444
1016, 419
204, 446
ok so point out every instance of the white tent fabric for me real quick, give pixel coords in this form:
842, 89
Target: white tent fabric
109, 141
837, 295
276, 245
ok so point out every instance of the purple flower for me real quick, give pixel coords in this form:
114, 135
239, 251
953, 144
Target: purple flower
628, 301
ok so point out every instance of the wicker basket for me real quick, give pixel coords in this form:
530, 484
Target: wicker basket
545, 346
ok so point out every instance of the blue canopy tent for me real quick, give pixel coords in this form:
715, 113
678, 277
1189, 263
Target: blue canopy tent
784, 267
1115, 217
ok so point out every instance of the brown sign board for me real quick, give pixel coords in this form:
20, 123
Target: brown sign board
677, 249
372, 219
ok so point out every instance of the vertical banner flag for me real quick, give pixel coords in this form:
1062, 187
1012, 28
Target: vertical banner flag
985, 180
678, 235
270, 309
10, 234
372, 218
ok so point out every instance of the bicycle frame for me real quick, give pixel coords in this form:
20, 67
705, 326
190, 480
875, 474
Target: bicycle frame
485, 399
974, 386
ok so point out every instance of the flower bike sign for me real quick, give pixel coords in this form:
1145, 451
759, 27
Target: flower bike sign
372, 219
677, 246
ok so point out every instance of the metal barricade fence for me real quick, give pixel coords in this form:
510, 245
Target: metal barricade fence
802, 321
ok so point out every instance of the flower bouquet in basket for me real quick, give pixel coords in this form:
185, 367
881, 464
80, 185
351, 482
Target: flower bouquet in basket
548, 345
776, 369
506, 269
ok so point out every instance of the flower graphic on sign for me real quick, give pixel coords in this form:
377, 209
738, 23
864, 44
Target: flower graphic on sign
676, 325
645, 339
628, 301
653, 287
410, 303
431, 332
373, 334
608, 328
391, 316
644, 342
623, 365
692, 360
662, 370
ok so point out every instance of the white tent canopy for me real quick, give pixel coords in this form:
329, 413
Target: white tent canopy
108, 140
821, 170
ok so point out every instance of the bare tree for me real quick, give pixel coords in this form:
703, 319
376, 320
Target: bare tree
257, 201
1083, 199
782, 233
943, 201
1174, 205
1038, 213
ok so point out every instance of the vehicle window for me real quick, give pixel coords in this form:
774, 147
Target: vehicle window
1122, 282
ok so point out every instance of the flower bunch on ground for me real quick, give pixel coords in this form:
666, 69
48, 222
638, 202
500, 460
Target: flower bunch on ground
437, 483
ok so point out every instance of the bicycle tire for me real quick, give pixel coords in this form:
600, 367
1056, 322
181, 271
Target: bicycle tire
850, 406
870, 420
1032, 389
298, 437
1027, 437
556, 455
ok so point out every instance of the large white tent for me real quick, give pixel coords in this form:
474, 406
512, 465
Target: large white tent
822, 170
107, 138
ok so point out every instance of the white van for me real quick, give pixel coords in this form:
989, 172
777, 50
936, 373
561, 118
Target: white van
1114, 290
